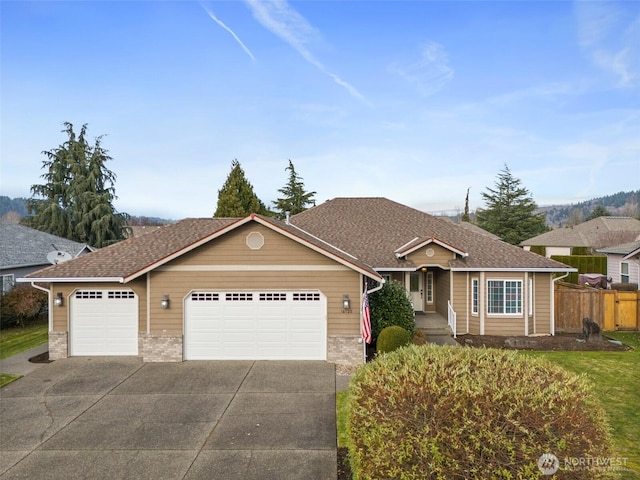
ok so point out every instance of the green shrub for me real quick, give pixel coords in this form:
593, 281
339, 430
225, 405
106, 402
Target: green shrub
539, 249
391, 306
444, 412
391, 338
584, 264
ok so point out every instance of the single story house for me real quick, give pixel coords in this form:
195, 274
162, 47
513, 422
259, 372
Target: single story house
261, 288
594, 234
623, 262
25, 250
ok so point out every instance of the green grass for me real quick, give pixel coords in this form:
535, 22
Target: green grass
6, 378
615, 377
18, 339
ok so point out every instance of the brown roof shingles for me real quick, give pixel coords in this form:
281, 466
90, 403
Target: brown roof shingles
373, 228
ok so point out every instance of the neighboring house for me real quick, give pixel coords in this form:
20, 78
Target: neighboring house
260, 288
24, 250
595, 234
623, 262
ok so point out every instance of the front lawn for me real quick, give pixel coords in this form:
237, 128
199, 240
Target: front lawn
6, 378
616, 382
18, 339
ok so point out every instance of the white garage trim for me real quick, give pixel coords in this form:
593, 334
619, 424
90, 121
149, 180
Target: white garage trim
103, 322
255, 325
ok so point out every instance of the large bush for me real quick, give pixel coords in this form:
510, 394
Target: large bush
22, 304
443, 412
391, 338
391, 306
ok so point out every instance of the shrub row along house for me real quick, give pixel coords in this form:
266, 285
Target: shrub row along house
260, 288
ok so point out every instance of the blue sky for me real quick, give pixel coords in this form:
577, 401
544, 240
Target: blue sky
412, 100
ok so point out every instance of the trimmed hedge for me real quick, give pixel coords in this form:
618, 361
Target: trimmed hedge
584, 264
391, 338
433, 412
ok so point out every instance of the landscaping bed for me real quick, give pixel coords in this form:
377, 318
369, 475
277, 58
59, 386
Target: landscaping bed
561, 342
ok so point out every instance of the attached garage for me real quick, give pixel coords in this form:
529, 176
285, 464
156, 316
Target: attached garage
255, 325
103, 322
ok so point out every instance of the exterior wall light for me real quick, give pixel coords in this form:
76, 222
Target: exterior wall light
346, 303
58, 301
164, 303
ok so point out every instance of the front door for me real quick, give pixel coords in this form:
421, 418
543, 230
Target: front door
416, 288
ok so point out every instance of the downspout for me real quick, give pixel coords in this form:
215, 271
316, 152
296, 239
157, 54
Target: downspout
553, 302
364, 344
49, 303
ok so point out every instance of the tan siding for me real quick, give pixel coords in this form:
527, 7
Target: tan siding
61, 315
332, 284
503, 326
542, 302
232, 249
460, 300
442, 283
440, 257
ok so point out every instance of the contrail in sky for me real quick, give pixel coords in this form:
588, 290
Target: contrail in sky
222, 24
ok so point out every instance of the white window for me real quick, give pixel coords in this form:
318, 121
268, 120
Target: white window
429, 287
474, 296
8, 281
530, 296
624, 272
504, 297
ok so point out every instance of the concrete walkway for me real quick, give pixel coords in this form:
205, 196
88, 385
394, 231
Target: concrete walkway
119, 418
436, 329
19, 364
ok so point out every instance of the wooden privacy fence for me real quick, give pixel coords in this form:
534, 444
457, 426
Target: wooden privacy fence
611, 309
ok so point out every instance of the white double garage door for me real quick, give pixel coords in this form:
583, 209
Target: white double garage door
220, 325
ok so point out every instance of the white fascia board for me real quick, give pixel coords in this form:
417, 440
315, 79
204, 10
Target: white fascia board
71, 280
395, 269
507, 269
428, 242
631, 254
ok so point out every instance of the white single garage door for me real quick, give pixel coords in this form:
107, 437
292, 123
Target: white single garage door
267, 325
103, 322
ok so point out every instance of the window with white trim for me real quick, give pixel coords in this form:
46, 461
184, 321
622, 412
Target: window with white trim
504, 297
530, 297
8, 282
475, 287
624, 272
429, 287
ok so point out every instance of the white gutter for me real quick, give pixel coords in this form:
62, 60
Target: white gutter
519, 269
49, 304
553, 302
71, 280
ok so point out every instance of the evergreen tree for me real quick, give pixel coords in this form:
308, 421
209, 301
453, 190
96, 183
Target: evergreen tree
510, 211
296, 199
236, 198
75, 202
598, 211
465, 215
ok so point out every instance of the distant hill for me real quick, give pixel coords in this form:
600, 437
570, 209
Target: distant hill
13, 209
625, 204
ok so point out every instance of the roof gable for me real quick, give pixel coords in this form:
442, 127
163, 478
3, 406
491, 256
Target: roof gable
597, 233
421, 243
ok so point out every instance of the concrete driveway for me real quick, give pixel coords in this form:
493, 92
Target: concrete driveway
118, 418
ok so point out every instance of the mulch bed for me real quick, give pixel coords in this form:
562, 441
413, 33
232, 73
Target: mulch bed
42, 358
561, 342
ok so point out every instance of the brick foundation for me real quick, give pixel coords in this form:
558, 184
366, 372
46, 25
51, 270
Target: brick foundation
345, 350
58, 345
161, 348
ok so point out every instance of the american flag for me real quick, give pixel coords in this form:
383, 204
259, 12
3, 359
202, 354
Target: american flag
366, 318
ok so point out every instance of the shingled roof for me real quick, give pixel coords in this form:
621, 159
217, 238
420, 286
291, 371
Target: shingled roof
135, 256
373, 229
597, 233
26, 247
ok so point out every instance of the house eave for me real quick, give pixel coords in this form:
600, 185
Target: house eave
509, 269
71, 279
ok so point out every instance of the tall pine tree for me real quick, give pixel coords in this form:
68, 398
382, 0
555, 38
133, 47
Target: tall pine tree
76, 200
510, 210
295, 199
236, 198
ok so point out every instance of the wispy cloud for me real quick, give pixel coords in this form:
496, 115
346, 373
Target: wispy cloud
430, 72
610, 34
233, 34
282, 20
